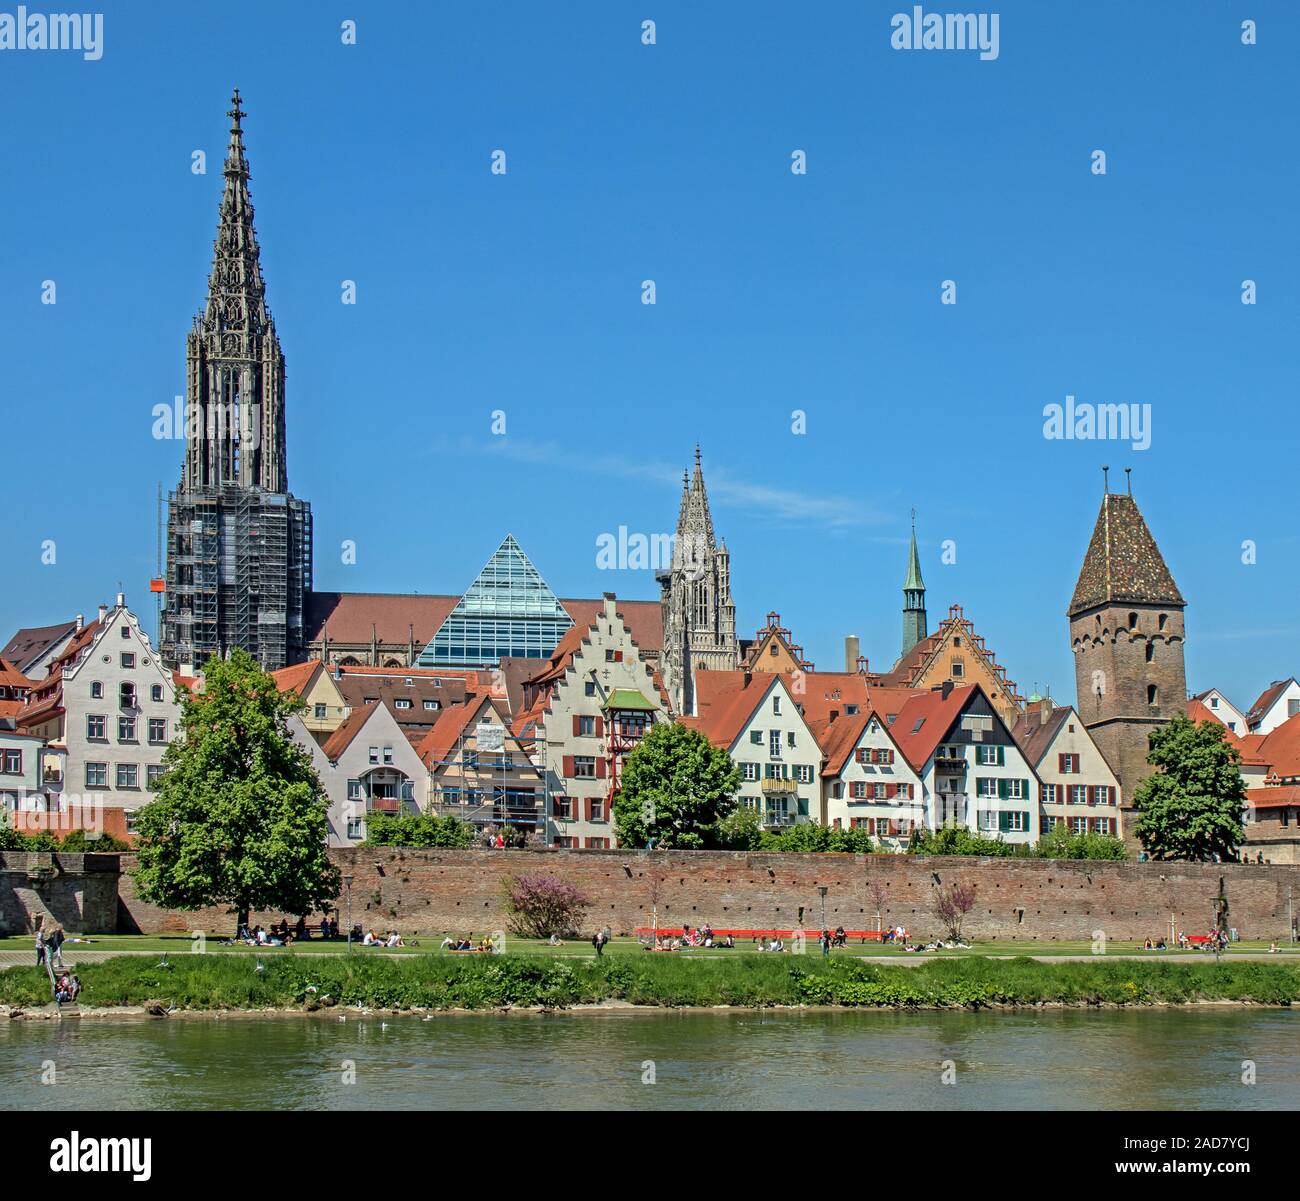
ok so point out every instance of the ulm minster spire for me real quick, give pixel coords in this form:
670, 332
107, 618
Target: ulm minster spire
238, 544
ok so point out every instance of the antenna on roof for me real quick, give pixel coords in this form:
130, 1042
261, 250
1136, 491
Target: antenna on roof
1105, 478
1128, 474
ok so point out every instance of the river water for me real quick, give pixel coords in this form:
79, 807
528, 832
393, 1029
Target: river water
1059, 1059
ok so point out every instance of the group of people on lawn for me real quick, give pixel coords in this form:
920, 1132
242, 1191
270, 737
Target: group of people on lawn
485, 944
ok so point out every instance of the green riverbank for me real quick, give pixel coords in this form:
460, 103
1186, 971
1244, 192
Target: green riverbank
213, 982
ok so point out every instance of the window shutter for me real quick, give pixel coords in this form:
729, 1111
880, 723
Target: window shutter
1002, 756
1060, 763
1004, 822
600, 727
1026, 794
1002, 789
600, 768
891, 790
568, 767
618, 656
577, 723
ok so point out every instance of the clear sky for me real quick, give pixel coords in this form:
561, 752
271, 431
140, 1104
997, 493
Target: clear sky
775, 292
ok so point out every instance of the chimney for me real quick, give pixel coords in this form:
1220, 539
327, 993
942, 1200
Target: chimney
103, 613
852, 651
1045, 710
946, 689
121, 600
81, 621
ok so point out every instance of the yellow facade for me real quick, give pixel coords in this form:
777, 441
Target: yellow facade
959, 659
325, 707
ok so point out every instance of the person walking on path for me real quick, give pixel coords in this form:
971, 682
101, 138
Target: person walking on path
40, 948
826, 943
598, 941
57, 938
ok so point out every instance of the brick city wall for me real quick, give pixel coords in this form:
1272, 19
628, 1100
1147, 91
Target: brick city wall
432, 892
78, 892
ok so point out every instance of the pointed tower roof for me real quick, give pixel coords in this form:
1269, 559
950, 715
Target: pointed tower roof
696, 519
913, 583
236, 290
1123, 563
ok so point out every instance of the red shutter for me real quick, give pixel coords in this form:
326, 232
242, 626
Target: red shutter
600, 769
568, 767
618, 656
891, 790
600, 727
587, 811
577, 724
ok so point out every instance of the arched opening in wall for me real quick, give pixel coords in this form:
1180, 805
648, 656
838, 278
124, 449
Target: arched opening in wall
1164, 620
1151, 651
1132, 621
1153, 695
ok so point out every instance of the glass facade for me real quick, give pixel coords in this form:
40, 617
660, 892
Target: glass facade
507, 612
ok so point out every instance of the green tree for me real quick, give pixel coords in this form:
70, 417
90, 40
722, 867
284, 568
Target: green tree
676, 789
1191, 808
808, 836
1059, 843
239, 816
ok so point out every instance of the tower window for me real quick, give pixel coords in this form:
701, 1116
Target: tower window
1164, 618
1153, 695
1151, 651
1132, 621
958, 669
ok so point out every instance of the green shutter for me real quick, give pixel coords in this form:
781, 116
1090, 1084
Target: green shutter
1004, 822
1002, 789
803, 807
1002, 756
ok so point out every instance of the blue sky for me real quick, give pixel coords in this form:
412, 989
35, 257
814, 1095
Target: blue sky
775, 292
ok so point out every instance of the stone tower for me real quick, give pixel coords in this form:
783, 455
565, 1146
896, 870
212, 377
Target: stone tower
1127, 633
699, 615
914, 624
238, 544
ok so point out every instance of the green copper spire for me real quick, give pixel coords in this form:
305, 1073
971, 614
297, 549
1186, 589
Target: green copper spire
914, 623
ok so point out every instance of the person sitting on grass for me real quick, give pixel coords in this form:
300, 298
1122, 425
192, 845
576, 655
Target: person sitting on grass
556, 941
63, 989
395, 939
840, 937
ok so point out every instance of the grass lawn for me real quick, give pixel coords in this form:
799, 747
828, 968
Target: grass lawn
181, 944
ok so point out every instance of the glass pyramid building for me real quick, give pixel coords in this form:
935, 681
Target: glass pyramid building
508, 611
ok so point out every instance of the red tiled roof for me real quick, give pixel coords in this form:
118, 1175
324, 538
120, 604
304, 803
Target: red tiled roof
12, 708
436, 745
939, 713
348, 617
296, 676
1033, 733
1280, 749
726, 703
1266, 700
837, 739
11, 677
341, 739
1273, 798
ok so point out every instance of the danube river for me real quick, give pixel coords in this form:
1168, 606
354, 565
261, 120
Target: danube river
1109, 1059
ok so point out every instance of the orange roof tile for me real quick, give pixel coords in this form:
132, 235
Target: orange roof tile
925, 719
1273, 798
436, 745
296, 676
341, 739
1280, 749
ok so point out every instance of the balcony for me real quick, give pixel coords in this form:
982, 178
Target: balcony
779, 787
778, 820
385, 804
950, 767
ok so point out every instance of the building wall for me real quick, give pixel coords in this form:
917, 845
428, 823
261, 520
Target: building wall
39, 890
323, 691
1279, 711
432, 892
955, 648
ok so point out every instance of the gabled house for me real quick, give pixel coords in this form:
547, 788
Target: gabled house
1217, 706
110, 705
1279, 701
583, 714
313, 682
1076, 786
756, 719
367, 765
33, 650
772, 649
1273, 805
15, 689
957, 655
867, 781
479, 771
972, 771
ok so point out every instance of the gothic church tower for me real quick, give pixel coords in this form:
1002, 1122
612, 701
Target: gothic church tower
1127, 633
238, 544
914, 622
699, 614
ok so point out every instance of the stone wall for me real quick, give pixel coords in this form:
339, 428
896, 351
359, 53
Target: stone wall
431, 892
78, 892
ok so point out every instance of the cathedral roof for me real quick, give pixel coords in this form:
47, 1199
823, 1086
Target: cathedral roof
1123, 564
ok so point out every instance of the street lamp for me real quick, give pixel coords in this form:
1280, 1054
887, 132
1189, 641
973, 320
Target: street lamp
347, 884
